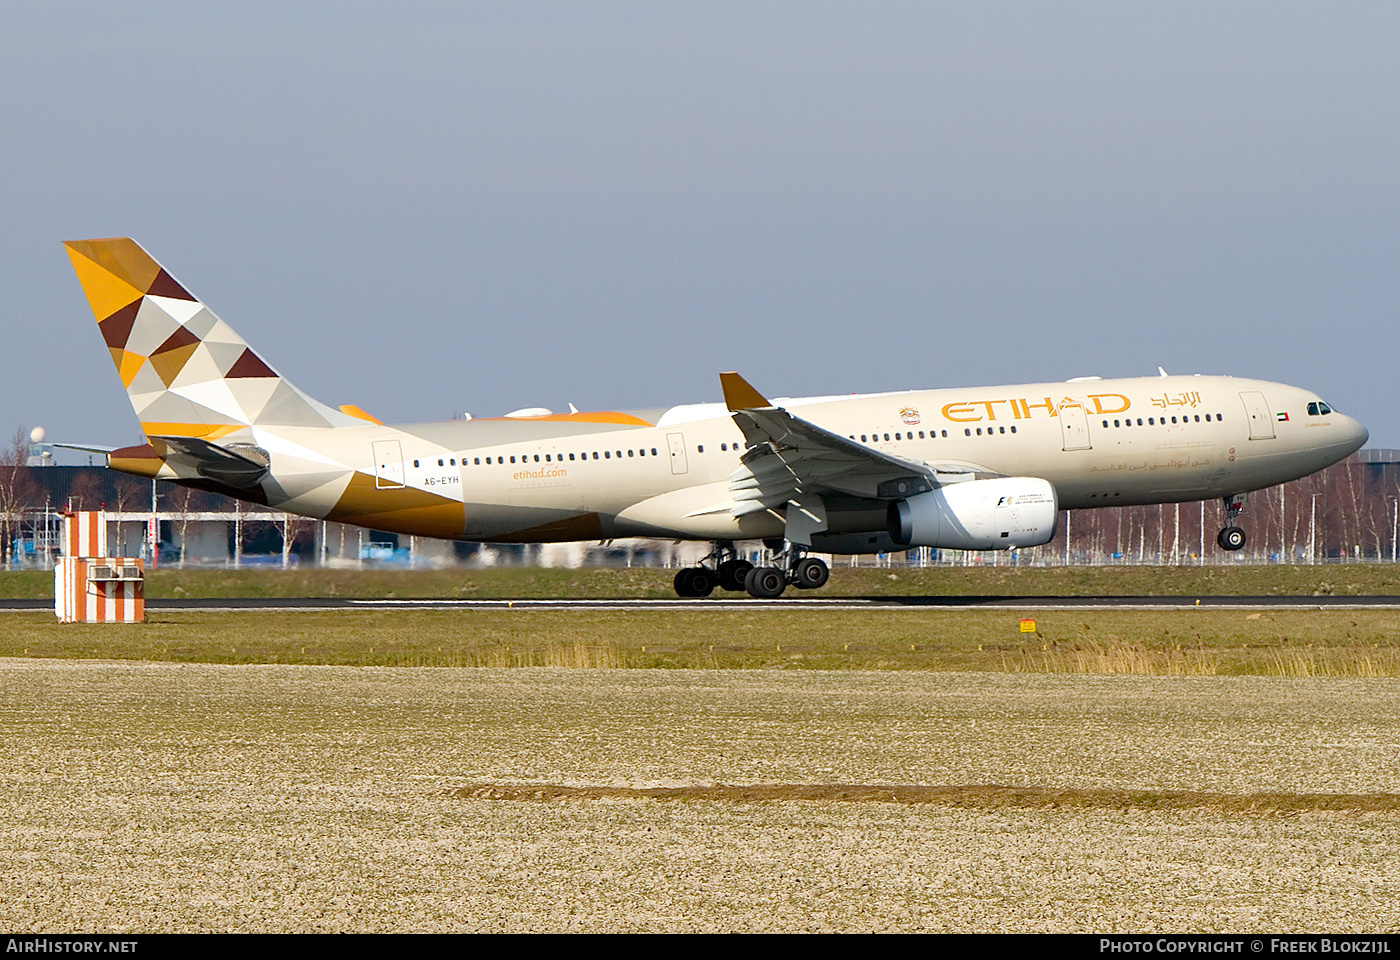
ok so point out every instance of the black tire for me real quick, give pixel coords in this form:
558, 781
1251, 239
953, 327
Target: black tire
682, 583
1231, 538
811, 574
694, 582
765, 583
732, 574
702, 582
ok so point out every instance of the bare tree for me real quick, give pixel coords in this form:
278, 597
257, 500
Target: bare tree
294, 528
184, 500
85, 493
16, 492
127, 493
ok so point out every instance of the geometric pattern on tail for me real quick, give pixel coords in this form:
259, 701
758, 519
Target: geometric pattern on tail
186, 372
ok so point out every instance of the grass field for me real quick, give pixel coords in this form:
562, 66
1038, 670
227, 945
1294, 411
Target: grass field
263, 798
1318, 642
1241, 580
905, 768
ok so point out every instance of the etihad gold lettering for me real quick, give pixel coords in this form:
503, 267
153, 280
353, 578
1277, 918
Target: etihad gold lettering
540, 474
974, 411
991, 414
958, 412
1109, 402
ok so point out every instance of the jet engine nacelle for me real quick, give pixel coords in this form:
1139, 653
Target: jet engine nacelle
995, 514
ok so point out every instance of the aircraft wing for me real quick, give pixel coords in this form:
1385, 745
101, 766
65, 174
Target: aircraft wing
788, 456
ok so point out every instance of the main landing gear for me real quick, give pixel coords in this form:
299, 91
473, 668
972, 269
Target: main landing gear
722, 568
729, 572
1232, 537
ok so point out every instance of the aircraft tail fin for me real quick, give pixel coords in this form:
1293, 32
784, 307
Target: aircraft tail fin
186, 372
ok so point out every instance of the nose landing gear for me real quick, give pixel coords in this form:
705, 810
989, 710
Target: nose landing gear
1232, 537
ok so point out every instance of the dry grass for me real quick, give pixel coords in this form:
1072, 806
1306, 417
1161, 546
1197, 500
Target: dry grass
1117, 657
974, 797
1369, 579
1186, 642
577, 655
271, 798
1333, 662
1137, 659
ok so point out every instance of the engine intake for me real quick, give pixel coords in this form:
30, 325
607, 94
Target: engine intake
996, 514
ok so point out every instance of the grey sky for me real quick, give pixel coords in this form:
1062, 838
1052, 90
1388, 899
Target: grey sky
430, 208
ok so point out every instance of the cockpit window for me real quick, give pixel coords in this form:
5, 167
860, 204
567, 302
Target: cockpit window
1318, 409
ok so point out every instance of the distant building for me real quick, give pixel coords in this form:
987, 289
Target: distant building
208, 529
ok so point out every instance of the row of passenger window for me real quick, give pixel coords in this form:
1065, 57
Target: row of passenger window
1162, 421
548, 457
875, 437
864, 438
932, 434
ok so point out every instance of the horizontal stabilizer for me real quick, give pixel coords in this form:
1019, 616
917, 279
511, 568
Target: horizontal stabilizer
86, 447
240, 465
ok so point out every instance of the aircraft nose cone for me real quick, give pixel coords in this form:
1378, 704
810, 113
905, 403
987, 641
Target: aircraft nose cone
1358, 434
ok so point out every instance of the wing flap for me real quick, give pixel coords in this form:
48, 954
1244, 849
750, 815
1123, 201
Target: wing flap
788, 457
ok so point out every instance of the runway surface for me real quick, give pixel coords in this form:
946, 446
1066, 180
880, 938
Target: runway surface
782, 603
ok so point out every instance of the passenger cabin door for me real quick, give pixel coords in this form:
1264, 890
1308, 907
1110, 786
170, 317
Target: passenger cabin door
1261, 422
388, 465
1074, 427
676, 442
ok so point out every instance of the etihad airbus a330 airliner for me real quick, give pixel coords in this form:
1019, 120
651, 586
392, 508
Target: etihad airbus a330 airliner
967, 468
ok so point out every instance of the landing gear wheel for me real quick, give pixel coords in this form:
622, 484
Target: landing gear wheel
765, 583
732, 574
703, 583
810, 573
1231, 538
694, 582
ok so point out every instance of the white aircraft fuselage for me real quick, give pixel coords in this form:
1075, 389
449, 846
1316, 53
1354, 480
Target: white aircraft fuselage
838, 474
528, 479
